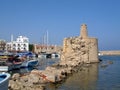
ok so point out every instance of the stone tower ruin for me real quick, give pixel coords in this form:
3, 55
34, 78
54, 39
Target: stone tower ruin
80, 49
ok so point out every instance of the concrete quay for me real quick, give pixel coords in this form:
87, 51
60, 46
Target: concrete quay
112, 52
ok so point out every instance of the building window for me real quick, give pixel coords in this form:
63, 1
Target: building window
18, 48
24, 45
14, 45
24, 48
13, 48
18, 44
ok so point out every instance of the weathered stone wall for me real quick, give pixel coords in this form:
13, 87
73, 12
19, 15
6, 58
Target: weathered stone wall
80, 49
38, 48
93, 53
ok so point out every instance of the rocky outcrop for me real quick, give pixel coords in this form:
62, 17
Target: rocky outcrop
27, 82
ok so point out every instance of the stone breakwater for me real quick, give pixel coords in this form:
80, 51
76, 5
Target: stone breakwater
37, 79
113, 52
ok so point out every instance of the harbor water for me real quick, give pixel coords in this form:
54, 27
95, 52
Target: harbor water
102, 76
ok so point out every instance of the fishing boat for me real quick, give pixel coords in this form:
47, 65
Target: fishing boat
48, 55
10, 66
4, 56
30, 63
26, 55
17, 65
4, 80
9, 61
4, 67
42, 55
55, 55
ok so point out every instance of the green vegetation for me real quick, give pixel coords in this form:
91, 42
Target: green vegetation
31, 47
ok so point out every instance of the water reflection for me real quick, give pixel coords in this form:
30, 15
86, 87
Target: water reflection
86, 79
47, 62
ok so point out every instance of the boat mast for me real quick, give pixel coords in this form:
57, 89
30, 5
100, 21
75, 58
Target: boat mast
47, 40
11, 38
44, 43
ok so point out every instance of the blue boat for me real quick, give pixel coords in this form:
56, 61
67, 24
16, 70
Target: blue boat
26, 54
4, 80
30, 63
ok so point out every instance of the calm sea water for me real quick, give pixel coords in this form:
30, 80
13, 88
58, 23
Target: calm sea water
102, 76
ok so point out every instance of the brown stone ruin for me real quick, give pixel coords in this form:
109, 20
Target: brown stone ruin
80, 49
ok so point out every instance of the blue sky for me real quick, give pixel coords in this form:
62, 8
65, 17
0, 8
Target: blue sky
61, 18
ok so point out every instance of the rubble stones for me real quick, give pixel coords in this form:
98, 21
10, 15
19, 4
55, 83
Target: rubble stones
27, 82
36, 79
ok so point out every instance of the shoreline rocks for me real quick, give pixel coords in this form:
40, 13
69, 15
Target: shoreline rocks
38, 78
27, 82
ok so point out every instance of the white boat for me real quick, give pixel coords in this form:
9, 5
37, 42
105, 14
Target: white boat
30, 63
4, 67
55, 55
4, 80
42, 56
49, 55
11, 66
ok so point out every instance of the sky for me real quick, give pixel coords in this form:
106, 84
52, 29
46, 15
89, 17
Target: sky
61, 19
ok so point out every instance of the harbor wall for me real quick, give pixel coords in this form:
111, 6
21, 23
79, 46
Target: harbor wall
112, 52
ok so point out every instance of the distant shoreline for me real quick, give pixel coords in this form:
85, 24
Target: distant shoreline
111, 52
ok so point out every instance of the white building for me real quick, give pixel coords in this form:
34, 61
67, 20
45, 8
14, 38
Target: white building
21, 44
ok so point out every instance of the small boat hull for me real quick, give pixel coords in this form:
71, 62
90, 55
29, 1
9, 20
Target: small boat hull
4, 80
30, 63
49, 55
9, 68
4, 68
17, 66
